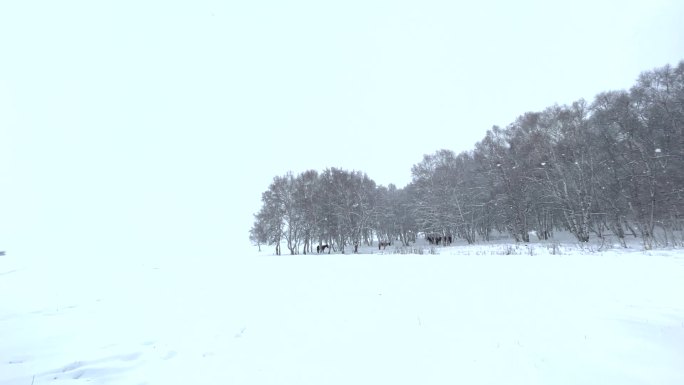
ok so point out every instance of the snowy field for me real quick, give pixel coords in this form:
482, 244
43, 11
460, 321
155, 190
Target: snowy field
484, 314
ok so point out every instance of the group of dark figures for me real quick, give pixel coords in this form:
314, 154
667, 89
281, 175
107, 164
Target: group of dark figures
381, 245
439, 239
432, 239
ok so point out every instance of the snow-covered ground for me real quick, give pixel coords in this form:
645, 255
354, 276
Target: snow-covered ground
484, 314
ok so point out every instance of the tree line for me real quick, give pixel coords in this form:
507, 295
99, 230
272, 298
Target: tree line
611, 166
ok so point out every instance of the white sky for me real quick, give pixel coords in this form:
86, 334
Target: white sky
153, 127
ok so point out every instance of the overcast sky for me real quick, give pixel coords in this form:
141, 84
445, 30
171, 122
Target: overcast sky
153, 127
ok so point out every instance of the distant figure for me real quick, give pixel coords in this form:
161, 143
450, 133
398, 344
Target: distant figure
437, 239
321, 248
2, 253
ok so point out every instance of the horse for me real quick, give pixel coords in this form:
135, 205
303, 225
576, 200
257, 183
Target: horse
439, 239
321, 248
383, 244
434, 239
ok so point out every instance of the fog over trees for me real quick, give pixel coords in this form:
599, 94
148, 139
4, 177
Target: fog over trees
611, 166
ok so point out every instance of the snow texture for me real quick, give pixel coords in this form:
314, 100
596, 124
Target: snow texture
488, 314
